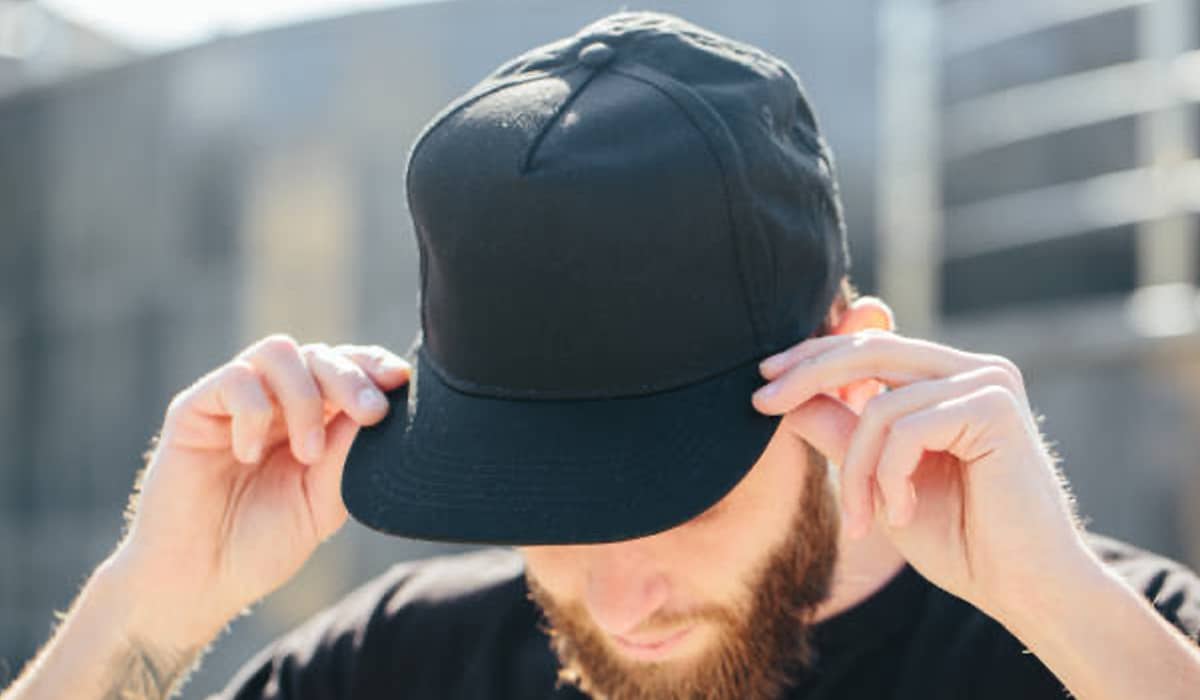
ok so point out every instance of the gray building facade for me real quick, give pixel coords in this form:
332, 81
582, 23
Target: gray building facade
157, 216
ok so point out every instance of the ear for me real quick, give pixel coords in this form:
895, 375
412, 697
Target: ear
862, 314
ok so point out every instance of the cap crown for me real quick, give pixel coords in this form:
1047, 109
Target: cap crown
629, 210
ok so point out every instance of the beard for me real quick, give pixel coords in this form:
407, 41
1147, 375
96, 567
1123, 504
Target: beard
762, 644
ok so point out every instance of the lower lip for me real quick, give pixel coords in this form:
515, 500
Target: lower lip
656, 650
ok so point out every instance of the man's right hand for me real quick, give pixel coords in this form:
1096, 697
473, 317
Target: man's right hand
244, 481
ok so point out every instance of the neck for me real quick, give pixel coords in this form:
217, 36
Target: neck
863, 567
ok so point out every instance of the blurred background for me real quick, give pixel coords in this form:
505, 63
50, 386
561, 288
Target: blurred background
179, 179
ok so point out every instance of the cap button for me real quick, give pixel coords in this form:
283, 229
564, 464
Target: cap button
596, 54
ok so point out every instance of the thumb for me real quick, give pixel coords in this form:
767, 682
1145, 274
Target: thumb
825, 423
324, 478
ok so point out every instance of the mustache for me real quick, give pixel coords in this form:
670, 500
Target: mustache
661, 621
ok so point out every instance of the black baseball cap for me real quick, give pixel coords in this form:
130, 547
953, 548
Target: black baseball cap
614, 229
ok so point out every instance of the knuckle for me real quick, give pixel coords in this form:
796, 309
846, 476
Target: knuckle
992, 375
876, 411
345, 370
377, 354
278, 345
863, 340
358, 357
316, 350
336, 366
1007, 366
239, 371
241, 376
873, 338
998, 399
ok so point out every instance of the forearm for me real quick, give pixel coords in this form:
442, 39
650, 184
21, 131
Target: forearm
111, 644
1103, 639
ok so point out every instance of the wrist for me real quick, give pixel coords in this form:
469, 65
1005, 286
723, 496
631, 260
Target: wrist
1075, 578
1102, 638
145, 610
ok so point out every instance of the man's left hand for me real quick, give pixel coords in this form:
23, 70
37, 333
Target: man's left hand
949, 462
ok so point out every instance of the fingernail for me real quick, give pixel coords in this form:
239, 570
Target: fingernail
315, 443
256, 451
391, 363
768, 364
767, 391
893, 515
371, 399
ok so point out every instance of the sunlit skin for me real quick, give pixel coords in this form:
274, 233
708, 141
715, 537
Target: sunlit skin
628, 587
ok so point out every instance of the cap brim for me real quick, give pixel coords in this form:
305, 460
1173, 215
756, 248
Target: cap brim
451, 466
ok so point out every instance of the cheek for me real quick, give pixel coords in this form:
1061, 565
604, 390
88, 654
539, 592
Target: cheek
559, 570
722, 554
714, 559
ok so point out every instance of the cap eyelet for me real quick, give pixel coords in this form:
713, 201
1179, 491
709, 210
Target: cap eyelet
596, 54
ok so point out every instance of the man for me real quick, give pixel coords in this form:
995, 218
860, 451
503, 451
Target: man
622, 235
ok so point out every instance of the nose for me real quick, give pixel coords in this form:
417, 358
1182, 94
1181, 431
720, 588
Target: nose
625, 586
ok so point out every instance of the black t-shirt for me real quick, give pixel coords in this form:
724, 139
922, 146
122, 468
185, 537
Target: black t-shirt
462, 627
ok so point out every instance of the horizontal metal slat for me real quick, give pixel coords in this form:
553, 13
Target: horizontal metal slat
1068, 102
1073, 208
968, 25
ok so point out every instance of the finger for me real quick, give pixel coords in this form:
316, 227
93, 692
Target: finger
875, 423
221, 410
243, 396
804, 350
344, 384
886, 357
955, 426
386, 368
825, 423
277, 358
323, 480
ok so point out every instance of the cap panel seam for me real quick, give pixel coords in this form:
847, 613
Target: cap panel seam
527, 162
479, 92
676, 92
493, 391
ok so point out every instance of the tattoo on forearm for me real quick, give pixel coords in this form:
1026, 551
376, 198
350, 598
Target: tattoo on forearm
144, 674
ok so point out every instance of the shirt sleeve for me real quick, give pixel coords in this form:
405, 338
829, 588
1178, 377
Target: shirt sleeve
1010, 670
1171, 587
450, 627
313, 661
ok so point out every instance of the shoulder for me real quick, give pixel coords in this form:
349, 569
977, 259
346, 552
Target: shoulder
990, 662
420, 622
480, 582
475, 589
